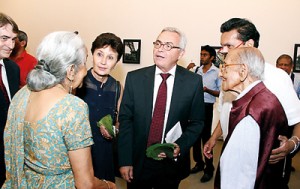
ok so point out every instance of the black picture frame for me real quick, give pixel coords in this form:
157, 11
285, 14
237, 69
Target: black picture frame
297, 58
132, 51
218, 60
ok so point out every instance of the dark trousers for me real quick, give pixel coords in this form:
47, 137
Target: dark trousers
2, 162
288, 163
102, 157
287, 175
157, 175
2, 168
204, 137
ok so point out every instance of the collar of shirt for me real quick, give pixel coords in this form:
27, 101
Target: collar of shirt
247, 89
159, 71
4, 78
158, 80
213, 67
22, 55
1, 62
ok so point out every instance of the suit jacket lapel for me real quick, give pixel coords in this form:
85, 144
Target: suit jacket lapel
147, 88
13, 84
293, 77
177, 91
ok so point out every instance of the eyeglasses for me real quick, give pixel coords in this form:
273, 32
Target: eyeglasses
223, 66
222, 55
167, 46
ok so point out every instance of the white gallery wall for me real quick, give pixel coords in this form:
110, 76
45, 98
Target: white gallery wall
277, 21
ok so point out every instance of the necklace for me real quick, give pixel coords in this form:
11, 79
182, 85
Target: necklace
100, 78
102, 83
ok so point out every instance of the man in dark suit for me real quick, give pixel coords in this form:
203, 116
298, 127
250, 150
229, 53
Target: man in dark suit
10, 73
184, 107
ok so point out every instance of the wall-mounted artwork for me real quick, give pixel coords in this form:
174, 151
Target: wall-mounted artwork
132, 51
297, 58
219, 57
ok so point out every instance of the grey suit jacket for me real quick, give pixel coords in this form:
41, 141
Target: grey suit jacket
187, 107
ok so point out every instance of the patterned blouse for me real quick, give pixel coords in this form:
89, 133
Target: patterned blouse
36, 154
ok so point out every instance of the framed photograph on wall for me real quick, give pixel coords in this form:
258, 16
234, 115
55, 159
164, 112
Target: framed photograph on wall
218, 58
132, 51
297, 58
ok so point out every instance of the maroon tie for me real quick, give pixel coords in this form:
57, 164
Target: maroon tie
157, 124
2, 86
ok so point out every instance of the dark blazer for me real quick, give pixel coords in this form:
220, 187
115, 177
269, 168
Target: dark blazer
186, 107
13, 77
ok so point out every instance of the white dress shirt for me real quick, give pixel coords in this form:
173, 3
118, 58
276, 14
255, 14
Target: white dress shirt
170, 84
4, 79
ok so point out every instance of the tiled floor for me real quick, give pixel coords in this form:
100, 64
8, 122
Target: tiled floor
193, 181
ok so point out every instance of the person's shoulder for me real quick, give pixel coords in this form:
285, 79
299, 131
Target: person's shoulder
183, 70
10, 63
186, 74
21, 95
262, 93
23, 91
297, 75
213, 71
271, 72
215, 68
111, 79
76, 101
142, 71
30, 57
273, 69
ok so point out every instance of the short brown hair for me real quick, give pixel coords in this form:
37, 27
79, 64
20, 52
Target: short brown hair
4, 20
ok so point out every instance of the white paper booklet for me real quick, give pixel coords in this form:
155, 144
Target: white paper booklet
174, 133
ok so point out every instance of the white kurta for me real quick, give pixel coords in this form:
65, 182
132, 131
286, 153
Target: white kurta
238, 163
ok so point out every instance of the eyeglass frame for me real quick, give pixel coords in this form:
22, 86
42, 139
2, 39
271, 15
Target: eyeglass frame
164, 45
223, 66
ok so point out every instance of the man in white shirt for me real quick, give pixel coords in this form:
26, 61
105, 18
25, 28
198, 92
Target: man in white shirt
211, 88
182, 107
237, 32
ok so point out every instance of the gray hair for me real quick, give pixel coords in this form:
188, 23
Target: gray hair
56, 52
252, 57
183, 40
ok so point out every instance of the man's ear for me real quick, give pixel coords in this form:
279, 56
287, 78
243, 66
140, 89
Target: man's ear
243, 72
23, 43
181, 54
249, 43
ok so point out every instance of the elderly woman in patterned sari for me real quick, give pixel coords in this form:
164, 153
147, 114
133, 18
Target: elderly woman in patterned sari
47, 135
